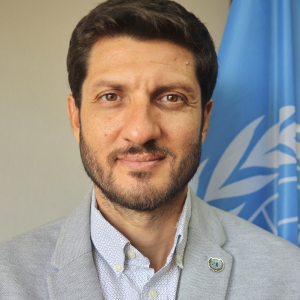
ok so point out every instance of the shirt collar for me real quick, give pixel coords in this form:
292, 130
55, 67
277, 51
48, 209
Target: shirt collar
182, 229
107, 240
111, 244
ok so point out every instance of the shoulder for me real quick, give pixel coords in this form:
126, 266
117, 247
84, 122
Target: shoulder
25, 259
264, 266
38, 237
261, 260
245, 235
268, 261
239, 233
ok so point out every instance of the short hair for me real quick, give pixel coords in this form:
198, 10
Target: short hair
142, 20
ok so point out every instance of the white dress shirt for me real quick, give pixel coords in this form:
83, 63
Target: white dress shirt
124, 273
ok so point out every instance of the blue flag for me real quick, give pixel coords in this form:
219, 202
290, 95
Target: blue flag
250, 162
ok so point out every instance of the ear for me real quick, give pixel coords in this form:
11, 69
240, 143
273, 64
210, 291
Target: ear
73, 113
206, 116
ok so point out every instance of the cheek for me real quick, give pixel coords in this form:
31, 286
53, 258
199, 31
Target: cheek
107, 128
100, 130
183, 131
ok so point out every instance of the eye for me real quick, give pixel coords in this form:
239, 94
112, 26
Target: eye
172, 98
110, 97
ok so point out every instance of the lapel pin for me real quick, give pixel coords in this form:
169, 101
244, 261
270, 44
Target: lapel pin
216, 264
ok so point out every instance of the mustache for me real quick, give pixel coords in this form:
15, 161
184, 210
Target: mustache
148, 148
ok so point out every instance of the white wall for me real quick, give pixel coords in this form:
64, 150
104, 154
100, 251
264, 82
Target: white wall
41, 175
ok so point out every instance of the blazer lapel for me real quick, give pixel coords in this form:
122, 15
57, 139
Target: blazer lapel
75, 276
205, 239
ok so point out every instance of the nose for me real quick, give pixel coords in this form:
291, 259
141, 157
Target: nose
141, 124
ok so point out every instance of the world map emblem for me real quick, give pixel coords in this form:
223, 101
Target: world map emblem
257, 181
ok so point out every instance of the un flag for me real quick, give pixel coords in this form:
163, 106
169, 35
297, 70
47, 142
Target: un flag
251, 158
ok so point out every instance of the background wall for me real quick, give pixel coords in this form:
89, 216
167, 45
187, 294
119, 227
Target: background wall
41, 175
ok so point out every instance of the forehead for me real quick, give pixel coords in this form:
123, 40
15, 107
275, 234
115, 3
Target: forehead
124, 55
124, 45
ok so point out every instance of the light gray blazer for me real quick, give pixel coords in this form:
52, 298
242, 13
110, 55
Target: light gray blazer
56, 262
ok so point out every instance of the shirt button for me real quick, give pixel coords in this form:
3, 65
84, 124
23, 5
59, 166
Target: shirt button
179, 259
131, 253
118, 267
152, 294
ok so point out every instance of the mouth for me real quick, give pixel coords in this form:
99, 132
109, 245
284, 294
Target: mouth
143, 161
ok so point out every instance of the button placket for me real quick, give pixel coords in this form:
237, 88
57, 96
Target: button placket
152, 294
118, 268
131, 254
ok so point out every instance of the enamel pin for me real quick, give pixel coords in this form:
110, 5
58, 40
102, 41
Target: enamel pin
216, 264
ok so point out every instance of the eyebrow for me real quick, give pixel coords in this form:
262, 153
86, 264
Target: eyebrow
107, 83
186, 88
160, 89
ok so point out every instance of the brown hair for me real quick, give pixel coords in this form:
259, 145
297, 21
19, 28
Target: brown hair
142, 20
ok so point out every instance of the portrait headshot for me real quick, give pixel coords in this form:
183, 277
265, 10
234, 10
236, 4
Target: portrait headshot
147, 159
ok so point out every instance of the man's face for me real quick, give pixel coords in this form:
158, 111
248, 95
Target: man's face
140, 121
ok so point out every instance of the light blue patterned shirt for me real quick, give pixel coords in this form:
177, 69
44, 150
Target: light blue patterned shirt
124, 273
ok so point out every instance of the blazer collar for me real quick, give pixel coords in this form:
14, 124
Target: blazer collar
205, 239
76, 277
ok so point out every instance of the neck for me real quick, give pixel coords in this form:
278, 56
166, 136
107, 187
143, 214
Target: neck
152, 233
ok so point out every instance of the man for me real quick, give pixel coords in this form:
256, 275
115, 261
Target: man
142, 73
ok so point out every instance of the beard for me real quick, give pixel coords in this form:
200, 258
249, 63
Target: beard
142, 196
